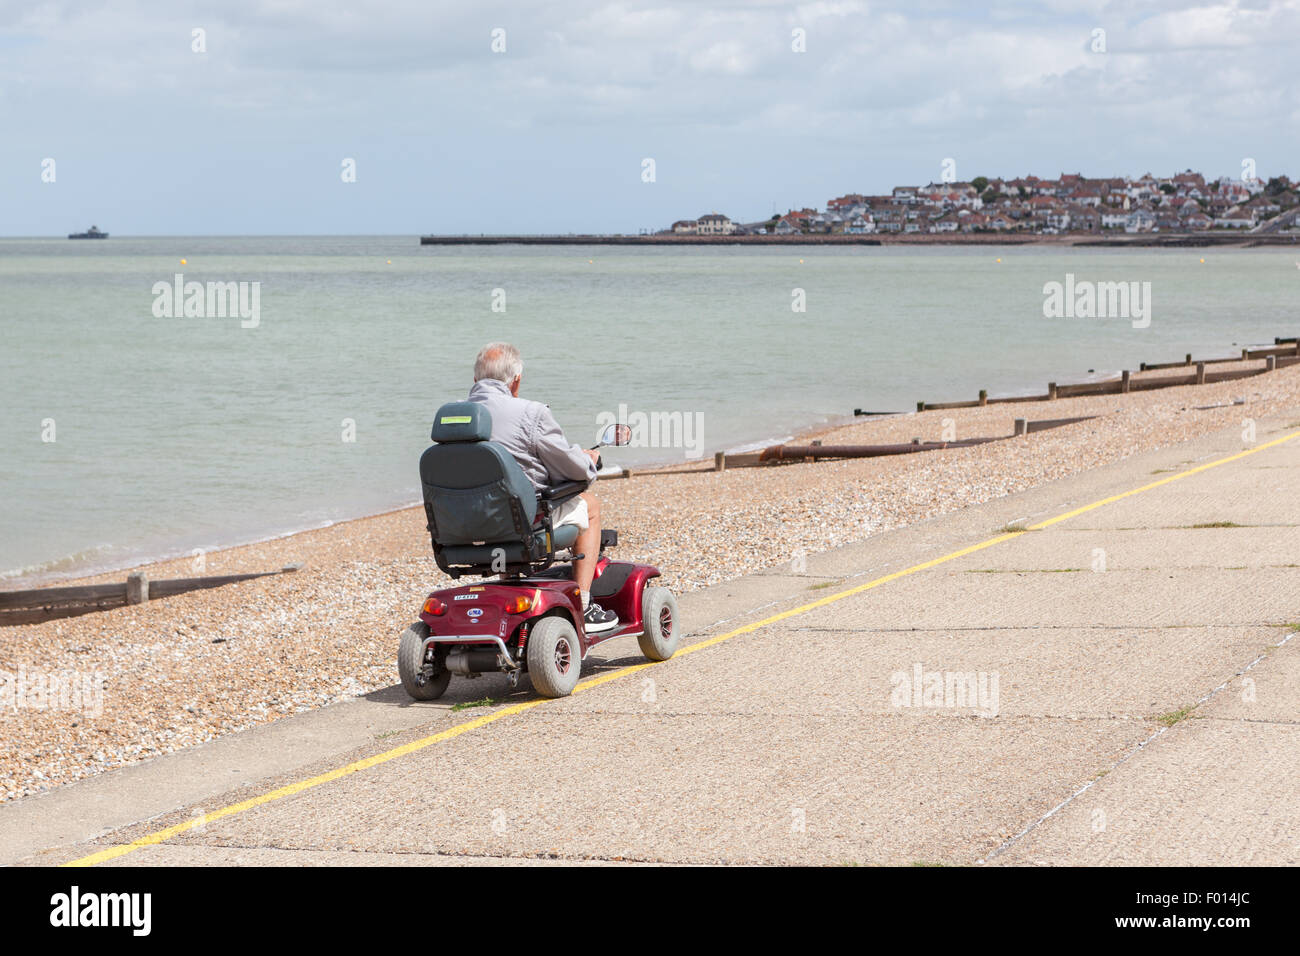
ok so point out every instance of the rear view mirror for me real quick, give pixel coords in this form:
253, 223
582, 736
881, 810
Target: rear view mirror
616, 435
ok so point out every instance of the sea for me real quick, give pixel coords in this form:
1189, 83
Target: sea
135, 428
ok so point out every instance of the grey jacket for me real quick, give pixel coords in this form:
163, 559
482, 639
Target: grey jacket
530, 432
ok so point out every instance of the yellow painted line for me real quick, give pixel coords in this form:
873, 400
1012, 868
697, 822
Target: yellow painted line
289, 790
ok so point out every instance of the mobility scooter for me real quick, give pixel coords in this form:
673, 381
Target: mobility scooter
485, 519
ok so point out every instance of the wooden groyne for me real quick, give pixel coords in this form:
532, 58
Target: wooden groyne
818, 451
1275, 357
47, 604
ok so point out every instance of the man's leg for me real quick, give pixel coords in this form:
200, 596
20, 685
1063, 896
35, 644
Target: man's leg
588, 545
595, 618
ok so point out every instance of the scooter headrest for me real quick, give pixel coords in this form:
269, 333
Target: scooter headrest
462, 421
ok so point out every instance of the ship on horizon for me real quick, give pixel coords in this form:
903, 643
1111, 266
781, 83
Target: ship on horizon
91, 233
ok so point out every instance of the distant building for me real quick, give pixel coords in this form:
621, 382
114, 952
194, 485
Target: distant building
715, 224
1140, 220
686, 227
847, 202
1238, 218
947, 222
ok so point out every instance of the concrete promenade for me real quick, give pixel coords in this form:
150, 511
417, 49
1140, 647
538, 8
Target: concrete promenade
1117, 684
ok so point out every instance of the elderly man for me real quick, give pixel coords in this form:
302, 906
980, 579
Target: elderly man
531, 434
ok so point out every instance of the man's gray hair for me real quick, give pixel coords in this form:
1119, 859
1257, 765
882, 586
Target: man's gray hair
498, 360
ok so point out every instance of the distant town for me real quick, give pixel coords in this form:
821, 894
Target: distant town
1070, 204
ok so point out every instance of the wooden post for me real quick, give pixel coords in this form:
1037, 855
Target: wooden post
1245, 354
1125, 381
720, 461
984, 396
1189, 359
1051, 391
920, 406
1270, 363
627, 472
1022, 426
1200, 373
137, 587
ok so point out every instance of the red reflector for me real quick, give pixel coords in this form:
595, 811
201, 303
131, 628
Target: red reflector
435, 607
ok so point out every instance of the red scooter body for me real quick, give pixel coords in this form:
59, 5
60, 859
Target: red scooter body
484, 614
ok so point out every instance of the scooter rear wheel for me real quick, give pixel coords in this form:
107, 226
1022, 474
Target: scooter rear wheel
660, 622
554, 657
410, 665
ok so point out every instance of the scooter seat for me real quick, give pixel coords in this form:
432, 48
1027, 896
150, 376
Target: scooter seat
512, 552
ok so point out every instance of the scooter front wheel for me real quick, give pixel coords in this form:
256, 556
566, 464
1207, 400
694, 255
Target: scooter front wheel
410, 665
660, 622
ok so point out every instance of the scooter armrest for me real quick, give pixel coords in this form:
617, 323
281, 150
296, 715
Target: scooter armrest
565, 489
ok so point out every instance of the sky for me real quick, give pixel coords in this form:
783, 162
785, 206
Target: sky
550, 131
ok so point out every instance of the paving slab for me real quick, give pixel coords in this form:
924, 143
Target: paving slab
1268, 692
1139, 549
1204, 793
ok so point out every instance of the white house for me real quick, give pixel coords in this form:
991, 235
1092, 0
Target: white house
1237, 218
715, 224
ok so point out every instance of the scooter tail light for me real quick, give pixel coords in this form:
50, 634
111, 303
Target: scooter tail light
435, 607
523, 602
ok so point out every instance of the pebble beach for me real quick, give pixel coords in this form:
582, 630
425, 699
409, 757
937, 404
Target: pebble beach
180, 671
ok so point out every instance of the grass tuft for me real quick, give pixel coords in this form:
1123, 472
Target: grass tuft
467, 704
1174, 716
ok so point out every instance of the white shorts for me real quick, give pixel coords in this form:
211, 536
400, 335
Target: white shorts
573, 511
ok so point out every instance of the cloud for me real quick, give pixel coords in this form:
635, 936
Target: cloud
713, 88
